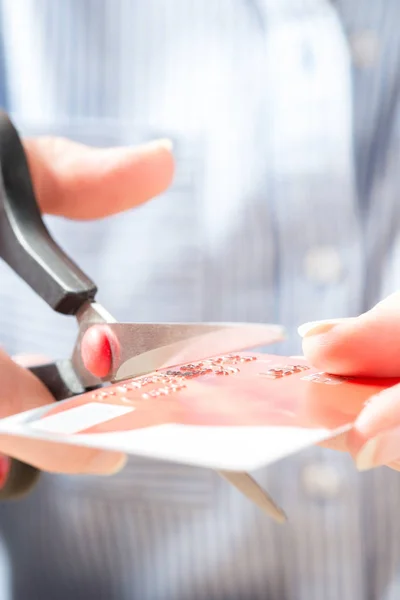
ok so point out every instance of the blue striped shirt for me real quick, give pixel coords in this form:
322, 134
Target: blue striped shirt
285, 117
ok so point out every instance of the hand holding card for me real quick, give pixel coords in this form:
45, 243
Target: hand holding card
240, 412
237, 412
366, 346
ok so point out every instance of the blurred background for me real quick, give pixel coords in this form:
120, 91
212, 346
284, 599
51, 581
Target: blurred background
284, 116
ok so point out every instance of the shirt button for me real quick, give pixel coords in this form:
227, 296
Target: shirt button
322, 264
321, 482
365, 49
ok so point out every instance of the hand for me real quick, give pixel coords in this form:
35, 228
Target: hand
79, 183
367, 346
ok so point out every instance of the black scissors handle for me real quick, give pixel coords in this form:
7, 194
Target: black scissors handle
28, 248
25, 243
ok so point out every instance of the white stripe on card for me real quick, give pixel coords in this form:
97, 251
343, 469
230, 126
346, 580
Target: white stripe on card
80, 418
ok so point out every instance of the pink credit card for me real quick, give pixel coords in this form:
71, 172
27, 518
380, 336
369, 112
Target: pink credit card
238, 412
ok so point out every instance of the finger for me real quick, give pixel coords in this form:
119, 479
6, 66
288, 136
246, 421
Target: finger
62, 458
338, 443
375, 437
365, 346
21, 391
80, 182
30, 360
368, 345
395, 466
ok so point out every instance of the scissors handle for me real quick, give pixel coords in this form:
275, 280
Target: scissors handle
61, 380
25, 243
28, 248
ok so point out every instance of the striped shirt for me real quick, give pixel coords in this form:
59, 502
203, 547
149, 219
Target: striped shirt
285, 117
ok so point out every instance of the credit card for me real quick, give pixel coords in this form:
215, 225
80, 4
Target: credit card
238, 412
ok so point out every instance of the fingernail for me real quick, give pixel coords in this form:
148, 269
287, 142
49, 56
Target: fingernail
119, 465
105, 463
375, 409
5, 463
164, 143
365, 459
317, 327
381, 450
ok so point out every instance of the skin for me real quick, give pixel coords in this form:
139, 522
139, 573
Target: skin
77, 182
368, 345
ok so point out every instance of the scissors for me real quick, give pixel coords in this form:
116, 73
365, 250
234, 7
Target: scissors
133, 348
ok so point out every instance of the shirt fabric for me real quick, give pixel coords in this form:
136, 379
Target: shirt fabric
285, 119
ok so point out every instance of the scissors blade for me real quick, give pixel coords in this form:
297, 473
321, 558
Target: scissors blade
252, 490
144, 348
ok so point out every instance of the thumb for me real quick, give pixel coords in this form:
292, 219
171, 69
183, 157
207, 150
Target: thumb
368, 345
30, 360
20, 390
